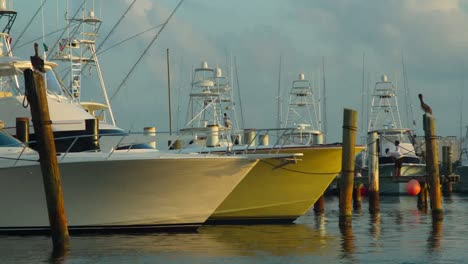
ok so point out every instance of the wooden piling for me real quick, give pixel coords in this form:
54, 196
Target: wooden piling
347, 163
373, 165
357, 197
22, 129
432, 166
150, 132
92, 130
422, 197
36, 95
319, 205
447, 170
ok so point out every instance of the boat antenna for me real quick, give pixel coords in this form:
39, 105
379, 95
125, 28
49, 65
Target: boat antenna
461, 107
29, 23
278, 108
325, 129
68, 25
38, 38
363, 90
95, 52
46, 49
238, 93
169, 92
115, 25
408, 104
127, 39
146, 50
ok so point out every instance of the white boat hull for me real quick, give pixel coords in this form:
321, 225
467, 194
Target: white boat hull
121, 193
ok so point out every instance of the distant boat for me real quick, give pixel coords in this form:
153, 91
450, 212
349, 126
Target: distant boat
462, 168
385, 120
275, 190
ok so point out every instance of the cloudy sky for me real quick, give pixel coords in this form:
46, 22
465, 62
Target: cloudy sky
430, 35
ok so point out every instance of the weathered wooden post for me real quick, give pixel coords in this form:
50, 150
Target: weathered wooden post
22, 129
422, 197
92, 130
432, 166
447, 169
373, 166
347, 164
36, 95
150, 132
357, 196
319, 205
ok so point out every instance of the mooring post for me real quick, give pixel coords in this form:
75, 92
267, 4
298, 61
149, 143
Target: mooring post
422, 197
36, 95
347, 163
447, 169
319, 205
357, 196
150, 132
92, 130
432, 166
22, 129
373, 165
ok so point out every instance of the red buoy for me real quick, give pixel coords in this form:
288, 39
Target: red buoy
364, 190
413, 187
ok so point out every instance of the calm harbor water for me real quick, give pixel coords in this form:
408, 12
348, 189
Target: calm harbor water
400, 234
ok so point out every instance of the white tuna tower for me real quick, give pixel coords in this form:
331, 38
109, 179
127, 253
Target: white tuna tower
303, 113
78, 48
384, 106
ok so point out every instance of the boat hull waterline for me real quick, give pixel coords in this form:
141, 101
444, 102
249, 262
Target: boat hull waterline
280, 195
122, 194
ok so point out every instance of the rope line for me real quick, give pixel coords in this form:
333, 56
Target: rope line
302, 172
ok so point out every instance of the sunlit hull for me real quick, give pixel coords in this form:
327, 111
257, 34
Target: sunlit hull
122, 193
269, 194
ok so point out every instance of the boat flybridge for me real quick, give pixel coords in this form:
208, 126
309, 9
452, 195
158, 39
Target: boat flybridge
67, 113
385, 120
303, 114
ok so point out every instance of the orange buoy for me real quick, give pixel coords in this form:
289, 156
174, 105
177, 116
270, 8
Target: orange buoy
413, 187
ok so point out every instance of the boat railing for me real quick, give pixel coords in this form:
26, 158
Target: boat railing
110, 143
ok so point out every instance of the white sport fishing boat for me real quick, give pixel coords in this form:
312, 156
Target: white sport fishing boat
144, 190
119, 189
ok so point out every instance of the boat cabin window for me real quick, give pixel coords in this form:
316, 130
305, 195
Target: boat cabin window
53, 85
8, 141
12, 84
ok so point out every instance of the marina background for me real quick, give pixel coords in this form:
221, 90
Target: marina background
425, 33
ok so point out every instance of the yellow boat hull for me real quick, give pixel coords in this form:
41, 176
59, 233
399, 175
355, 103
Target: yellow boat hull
273, 193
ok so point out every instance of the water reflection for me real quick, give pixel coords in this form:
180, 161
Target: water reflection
435, 236
59, 256
374, 228
276, 240
347, 237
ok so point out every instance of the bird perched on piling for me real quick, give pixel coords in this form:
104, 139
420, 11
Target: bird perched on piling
425, 107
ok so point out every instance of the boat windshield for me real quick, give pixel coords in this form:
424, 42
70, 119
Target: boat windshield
403, 137
12, 84
8, 141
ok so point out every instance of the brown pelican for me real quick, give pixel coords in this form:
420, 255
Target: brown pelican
425, 107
